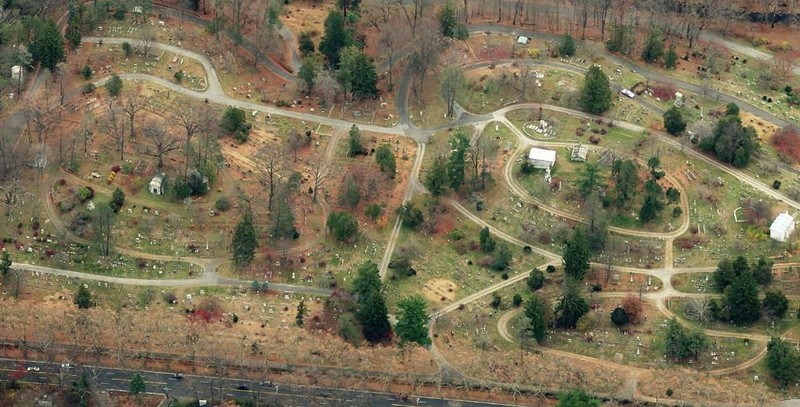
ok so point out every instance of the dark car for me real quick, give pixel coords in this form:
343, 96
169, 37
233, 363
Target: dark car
242, 387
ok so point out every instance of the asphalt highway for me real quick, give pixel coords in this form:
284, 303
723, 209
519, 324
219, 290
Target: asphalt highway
212, 387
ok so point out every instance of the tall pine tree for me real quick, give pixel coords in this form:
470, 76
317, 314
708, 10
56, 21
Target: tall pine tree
48, 47
596, 92
412, 321
245, 240
373, 316
576, 255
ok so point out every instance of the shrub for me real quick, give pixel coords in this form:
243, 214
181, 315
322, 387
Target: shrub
222, 204
119, 13
517, 300
551, 268
677, 212
88, 88
179, 76
86, 72
127, 49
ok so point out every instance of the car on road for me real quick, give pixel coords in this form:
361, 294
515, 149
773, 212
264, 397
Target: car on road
242, 387
628, 93
177, 376
267, 384
33, 369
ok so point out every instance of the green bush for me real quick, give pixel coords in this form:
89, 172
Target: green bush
127, 49
119, 13
86, 72
222, 204
179, 76
88, 88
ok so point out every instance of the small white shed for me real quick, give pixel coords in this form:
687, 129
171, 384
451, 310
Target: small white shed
782, 227
541, 158
157, 185
523, 40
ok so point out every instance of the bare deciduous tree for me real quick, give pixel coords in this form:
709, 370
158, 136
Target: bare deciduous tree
113, 125
160, 141
271, 165
147, 38
132, 103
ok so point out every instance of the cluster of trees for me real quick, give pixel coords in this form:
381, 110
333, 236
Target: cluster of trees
739, 283
628, 312
371, 311
466, 165
730, 141
571, 306
500, 253
681, 343
235, 123
342, 47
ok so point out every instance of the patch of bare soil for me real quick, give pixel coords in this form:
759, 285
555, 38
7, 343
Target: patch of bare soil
439, 289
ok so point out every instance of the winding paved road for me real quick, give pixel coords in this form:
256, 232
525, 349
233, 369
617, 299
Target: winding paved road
216, 94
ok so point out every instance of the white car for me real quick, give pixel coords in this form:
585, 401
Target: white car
33, 369
628, 93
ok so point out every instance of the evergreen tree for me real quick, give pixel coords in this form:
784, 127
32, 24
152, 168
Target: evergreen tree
301, 313
83, 298
114, 85
48, 46
732, 109
137, 385
596, 93
566, 47
783, 361
306, 44
307, 73
576, 255
775, 304
619, 317
570, 308
487, 242
342, 225
436, 179
5, 265
673, 121
654, 47
336, 38
357, 73
537, 323
456, 163
354, 147
671, 58
412, 321
762, 271
282, 217
367, 280
373, 316
245, 240
410, 215
385, 159
649, 209
117, 199
626, 180
673, 195
447, 20
501, 257
682, 344
741, 299
589, 180
535, 280
73, 34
